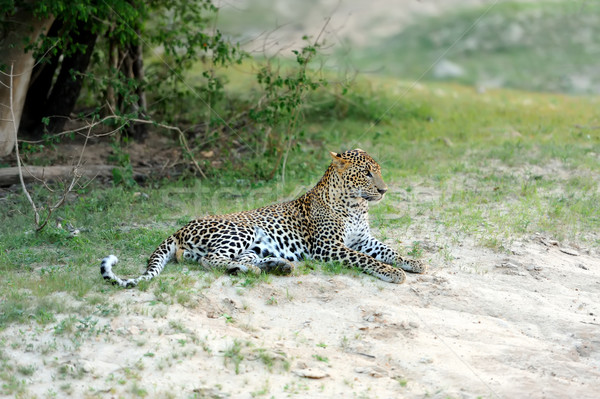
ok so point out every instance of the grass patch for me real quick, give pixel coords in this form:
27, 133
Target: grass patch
320, 358
337, 268
234, 355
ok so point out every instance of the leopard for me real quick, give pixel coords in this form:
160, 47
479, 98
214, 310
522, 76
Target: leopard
329, 223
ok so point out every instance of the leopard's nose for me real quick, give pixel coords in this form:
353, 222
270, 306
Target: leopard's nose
382, 190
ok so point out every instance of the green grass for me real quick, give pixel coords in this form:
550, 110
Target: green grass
320, 358
234, 355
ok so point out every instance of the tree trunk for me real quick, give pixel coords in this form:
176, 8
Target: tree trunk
23, 24
132, 67
68, 84
140, 130
113, 65
138, 73
39, 89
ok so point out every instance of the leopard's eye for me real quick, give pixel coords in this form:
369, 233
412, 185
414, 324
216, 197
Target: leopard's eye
368, 173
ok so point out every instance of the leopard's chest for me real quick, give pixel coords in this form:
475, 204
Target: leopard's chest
355, 229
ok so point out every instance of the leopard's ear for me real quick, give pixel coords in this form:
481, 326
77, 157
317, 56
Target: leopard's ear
339, 162
337, 158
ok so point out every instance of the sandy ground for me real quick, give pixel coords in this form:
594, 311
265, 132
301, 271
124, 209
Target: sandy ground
479, 324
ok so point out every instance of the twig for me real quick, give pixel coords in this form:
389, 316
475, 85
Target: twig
14, 122
365, 354
75, 179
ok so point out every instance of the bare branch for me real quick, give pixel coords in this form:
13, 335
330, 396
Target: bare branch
12, 114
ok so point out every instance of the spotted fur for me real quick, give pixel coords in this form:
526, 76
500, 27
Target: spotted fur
328, 223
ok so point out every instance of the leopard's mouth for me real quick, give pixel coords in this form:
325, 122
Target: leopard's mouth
373, 198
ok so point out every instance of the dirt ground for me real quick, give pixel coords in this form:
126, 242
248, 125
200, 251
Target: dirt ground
479, 324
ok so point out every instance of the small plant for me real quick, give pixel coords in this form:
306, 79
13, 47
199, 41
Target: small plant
403, 382
136, 390
26, 370
345, 344
416, 250
261, 392
43, 316
66, 388
65, 326
321, 358
177, 326
272, 300
284, 98
234, 355
123, 174
270, 358
288, 296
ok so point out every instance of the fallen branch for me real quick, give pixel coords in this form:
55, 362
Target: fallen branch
9, 176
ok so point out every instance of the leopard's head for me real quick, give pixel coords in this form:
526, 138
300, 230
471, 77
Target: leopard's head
360, 175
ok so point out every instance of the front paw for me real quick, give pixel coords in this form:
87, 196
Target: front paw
390, 274
413, 265
419, 266
398, 276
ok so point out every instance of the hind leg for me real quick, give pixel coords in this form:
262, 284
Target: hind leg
268, 265
217, 260
182, 255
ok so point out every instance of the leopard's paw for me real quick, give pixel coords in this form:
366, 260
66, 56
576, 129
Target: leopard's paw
413, 265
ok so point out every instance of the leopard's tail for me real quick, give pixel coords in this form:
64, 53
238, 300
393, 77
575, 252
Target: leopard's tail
156, 264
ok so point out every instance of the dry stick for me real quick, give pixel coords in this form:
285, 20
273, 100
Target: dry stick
182, 140
14, 122
76, 175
